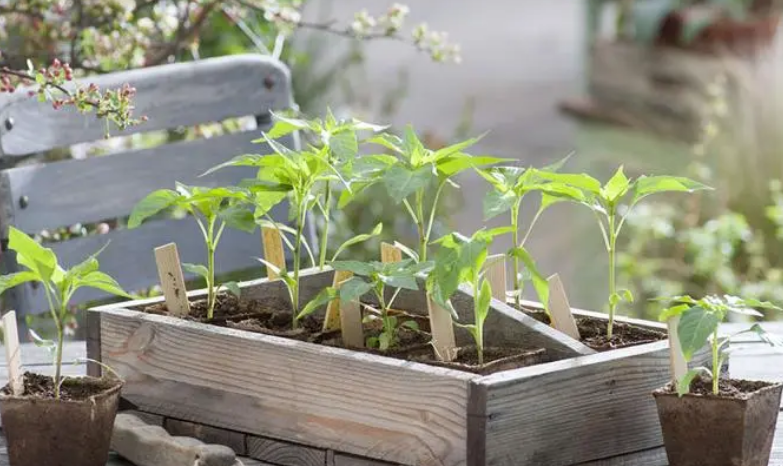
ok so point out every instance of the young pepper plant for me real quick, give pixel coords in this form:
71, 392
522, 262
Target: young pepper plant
700, 320
339, 143
376, 277
461, 260
213, 209
58, 284
413, 167
510, 185
605, 202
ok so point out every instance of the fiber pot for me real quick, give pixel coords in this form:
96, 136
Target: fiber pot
707, 430
44, 431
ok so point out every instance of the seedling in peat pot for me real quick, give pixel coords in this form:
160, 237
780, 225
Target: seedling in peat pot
605, 202
337, 140
461, 260
699, 322
58, 284
213, 209
409, 171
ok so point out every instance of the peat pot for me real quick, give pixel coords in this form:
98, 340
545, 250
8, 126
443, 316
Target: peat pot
68, 432
292, 402
702, 430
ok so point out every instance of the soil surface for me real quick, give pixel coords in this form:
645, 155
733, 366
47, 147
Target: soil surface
729, 388
72, 389
495, 359
593, 332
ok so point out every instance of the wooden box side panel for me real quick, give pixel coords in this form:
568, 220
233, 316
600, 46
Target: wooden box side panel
577, 410
324, 397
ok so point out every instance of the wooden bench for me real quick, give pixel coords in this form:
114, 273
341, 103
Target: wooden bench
94, 189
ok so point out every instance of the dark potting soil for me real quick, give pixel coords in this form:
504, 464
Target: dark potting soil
729, 388
72, 389
495, 359
593, 332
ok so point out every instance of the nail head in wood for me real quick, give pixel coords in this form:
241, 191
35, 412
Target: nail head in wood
9, 124
679, 366
13, 353
560, 310
273, 250
172, 281
24, 201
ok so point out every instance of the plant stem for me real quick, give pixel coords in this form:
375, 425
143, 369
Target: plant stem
388, 328
59, 349
297, 259
515, 259
478, 322
211, 295
423, 240
715, 363
612, 271
327, 221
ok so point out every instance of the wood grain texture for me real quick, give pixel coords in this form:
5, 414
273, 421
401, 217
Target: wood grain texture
181, 94
120, 181
92, 322
390, 253
284, 454
653, 457
129, 258
678, 366
13, 357
442, 328
332, 318
289, 390
172, 280
339, 459
273, 250
535, 414
351, 325
207, 434
560, 309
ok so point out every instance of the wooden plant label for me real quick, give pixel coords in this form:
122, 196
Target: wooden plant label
390, 253
442, 331
560, 310
679, 366
273, 250
172, 281
332, 320
495, 272
13, 354
351, 322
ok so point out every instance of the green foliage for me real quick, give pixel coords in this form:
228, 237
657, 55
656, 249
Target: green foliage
461, 260
700, 320
605, 202
58, 284
213, 209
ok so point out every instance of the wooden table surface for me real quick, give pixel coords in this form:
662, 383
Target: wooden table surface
752, 359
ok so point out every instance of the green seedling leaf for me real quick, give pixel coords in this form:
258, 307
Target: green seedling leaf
407, 251
344, 145
496, 203
384, 341
540, 283
616, 187
696, 326
151, 205
238, 217
40, 341
101, 281
358, 239
325, 296
233, 288
411, 324
581, 181
197, 269
673, 311
647, 185
401, 182
11, 280
32, 255
684, 384
457, 163
355, 267
282, 273
389, 141
407, 282
284, 126
766, 337
353, 289
484, 300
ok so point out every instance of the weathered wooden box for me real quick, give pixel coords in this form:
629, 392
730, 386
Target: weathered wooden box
295, 403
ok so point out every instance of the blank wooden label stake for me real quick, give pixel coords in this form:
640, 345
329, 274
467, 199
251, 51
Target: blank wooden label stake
679, 366
442, 331
12, 353
332, 320
273, 250
172, 281
495, 273
351, 322
390, 253
560, 310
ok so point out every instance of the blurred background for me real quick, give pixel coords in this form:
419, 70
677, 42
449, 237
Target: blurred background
658, 86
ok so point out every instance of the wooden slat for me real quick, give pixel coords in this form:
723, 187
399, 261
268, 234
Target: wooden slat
100, 188
207, 434
347, 460
289, 390
535, 418
129, 258
174, 95
284, 454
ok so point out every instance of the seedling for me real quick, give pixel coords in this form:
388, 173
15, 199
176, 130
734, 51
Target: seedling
605, 202
337, 140
213, 209
295, 175
510, 186
413, 167
462, 260
58, 284
376, 277
700, 319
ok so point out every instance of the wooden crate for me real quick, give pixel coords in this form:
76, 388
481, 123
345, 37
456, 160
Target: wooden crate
299, 403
